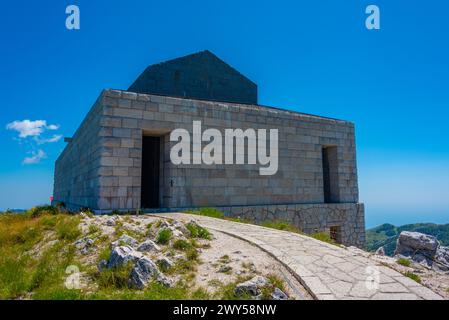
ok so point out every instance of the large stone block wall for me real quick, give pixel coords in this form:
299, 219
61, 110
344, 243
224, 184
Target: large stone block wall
101, 167
76, 179
127, 116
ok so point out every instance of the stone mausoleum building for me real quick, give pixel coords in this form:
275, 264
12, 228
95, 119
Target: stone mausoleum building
119, 158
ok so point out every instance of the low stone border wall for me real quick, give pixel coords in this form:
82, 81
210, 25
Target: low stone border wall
347, 218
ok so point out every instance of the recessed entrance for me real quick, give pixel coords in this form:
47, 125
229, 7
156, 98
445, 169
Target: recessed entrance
150, 172
331, 188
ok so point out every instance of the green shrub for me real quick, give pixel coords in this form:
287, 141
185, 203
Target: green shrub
182, 245
192, 254
105, 254
164, 236
41, 210
404, 262
197, 231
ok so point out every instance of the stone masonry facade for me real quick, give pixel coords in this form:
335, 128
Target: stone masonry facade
101, 166
119, 158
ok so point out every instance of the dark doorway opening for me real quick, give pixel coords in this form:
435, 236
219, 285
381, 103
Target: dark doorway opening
330, 175
150, 172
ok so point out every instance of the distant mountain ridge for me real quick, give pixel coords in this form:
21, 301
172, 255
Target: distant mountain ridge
387, 234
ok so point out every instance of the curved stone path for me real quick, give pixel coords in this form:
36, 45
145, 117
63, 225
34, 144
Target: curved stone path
325, 270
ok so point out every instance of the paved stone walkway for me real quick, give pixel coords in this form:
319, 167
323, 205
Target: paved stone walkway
325, 270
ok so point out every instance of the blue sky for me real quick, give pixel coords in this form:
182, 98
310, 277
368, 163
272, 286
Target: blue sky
310, 56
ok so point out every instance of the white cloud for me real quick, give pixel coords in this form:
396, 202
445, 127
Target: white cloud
54, 138
53, 127
28, 128
32, 134
36, 157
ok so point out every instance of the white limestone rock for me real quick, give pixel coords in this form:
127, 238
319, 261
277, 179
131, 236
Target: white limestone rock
148, 246
143, 272
125, 240
251, 286
278, 294
165, 263
122, 255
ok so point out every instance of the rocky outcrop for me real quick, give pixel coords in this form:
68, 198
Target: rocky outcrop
252, 286
423, 249
84, 245
148, 246
122, 255
124, 240
144, 271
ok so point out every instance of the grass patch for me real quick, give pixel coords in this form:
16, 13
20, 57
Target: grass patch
208, 212
157, 291
115, 278
164, 236
68, 229
404, 262
200, 294
93, 229
23, 271
280, 225
413, 276
323, 236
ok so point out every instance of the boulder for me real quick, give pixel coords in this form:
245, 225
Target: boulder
144, 271
442, 259
423, 249
410, 243
124, 240
251, 286
181, 227
122, 255
148, 246
165, 281
380, 251
278, 294
111, 221
165, 263
84, 245
102, 265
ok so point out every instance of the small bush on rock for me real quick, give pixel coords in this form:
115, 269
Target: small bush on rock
164, 236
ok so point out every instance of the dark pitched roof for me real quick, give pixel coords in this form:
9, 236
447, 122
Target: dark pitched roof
200, 75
